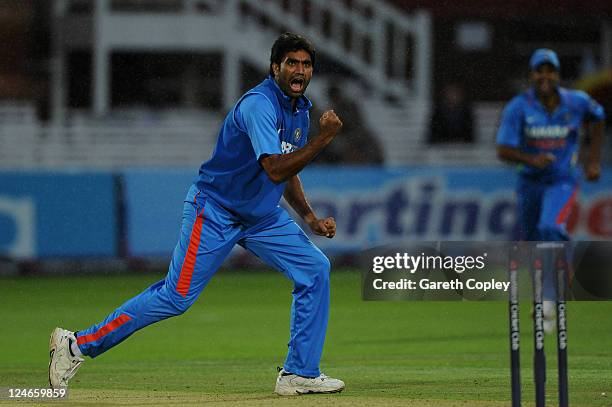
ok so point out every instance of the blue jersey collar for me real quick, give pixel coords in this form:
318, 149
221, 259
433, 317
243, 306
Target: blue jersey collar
303, 103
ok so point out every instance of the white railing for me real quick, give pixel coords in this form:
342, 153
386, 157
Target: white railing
384, 48
387, 49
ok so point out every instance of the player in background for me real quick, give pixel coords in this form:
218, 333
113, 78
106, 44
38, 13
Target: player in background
261, 148
540, 131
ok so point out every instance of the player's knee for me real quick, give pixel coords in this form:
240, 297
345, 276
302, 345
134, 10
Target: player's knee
322, 264
312, 274
321, 268
181, 304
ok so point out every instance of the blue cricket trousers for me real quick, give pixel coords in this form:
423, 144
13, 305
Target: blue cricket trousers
544, 208
543, 211
208, 234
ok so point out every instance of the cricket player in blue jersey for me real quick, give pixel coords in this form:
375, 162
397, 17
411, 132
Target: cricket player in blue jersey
262, 146
540, 131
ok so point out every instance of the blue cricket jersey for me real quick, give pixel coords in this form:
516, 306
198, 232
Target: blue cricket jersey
261, 123
526, 124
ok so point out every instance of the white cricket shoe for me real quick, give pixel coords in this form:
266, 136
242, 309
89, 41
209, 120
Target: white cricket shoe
62, 364
289, 384
550, 314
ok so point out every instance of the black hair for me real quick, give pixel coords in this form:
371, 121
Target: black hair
290, 42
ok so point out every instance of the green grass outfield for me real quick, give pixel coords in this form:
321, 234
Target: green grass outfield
225, 349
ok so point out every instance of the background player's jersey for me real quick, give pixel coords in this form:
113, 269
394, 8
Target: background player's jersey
526, 124
261, 123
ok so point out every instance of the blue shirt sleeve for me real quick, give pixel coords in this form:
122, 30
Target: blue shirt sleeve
510, 128
593, 111
256, 116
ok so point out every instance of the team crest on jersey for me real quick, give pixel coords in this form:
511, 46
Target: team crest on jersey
298, 134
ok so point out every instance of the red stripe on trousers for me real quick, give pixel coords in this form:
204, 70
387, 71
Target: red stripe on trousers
184, 281
106, 329
567, 208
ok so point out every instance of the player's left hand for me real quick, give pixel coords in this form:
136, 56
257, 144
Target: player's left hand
592, 171
323, 227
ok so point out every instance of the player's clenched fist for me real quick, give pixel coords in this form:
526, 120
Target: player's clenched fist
330, 123
324, 227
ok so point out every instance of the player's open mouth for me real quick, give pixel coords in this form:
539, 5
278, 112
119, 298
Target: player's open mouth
296, 84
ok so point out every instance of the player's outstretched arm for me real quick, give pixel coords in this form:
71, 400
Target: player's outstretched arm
295, 197
593, 166
281, 167
516, 155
